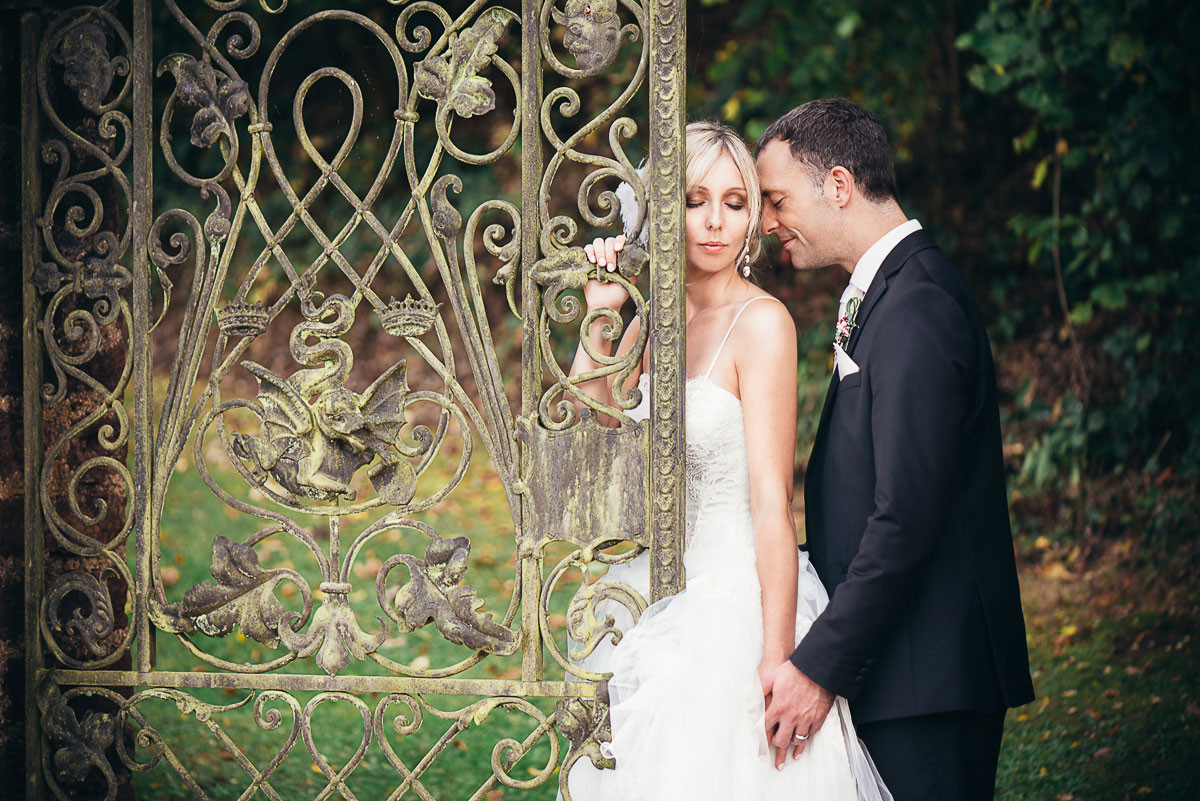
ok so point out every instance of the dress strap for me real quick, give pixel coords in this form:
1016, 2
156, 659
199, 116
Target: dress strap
720, 347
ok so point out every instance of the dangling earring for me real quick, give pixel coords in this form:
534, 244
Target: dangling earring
746, 259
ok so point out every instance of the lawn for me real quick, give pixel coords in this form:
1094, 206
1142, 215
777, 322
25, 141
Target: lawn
340, 725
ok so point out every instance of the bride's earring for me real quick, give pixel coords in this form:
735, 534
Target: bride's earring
746, 260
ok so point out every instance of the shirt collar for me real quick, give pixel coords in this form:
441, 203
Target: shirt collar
868, 265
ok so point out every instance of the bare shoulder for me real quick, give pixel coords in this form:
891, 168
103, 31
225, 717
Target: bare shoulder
766, 320
765, 340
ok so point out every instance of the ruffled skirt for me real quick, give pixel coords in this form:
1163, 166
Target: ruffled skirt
687, 706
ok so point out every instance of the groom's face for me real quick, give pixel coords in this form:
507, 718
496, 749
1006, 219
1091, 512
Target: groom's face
796, 209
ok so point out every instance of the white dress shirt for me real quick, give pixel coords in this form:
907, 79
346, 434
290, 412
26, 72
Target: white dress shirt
861, 278
869, 263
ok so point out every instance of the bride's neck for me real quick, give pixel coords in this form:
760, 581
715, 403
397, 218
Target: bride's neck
709, 290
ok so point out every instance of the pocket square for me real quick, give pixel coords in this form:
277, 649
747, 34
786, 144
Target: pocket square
845, 365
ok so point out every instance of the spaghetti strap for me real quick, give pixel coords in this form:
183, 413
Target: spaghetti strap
721, 347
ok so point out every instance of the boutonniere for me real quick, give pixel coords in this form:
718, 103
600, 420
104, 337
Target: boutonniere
846, 324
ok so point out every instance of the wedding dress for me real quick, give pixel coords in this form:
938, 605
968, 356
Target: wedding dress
686, 702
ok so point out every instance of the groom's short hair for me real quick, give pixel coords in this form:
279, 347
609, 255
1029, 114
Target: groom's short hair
833, 131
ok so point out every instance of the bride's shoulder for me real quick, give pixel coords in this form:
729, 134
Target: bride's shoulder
766, 316
765, 334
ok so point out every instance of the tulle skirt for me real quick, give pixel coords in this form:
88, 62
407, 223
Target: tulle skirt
687, 706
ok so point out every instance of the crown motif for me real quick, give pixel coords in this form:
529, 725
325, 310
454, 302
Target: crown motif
240, 319
412, 318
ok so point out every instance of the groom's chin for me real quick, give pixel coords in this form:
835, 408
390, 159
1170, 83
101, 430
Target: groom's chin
802, 264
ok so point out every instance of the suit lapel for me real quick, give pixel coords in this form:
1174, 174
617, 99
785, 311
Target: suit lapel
913, 243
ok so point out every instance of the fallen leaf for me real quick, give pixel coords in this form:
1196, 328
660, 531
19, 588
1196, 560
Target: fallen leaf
1055, 570
1101, 753
368, 569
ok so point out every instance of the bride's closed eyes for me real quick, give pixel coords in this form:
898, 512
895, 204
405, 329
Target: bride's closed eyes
733, 203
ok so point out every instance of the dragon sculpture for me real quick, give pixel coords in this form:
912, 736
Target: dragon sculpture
316, 433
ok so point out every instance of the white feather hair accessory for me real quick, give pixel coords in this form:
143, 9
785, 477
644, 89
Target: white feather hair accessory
630, 208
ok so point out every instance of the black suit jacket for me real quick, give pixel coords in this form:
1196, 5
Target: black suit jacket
906, 508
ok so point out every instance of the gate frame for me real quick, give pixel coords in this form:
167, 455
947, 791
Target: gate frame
665, 82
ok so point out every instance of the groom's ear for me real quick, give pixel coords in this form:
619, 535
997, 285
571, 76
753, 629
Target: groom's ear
839, 186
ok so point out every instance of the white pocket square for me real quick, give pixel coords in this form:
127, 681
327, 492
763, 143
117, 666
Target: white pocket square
845, 365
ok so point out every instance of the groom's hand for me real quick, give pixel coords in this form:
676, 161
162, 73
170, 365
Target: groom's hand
798, 706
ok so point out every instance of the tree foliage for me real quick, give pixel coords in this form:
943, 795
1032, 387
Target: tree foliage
1112, 89
1044, 144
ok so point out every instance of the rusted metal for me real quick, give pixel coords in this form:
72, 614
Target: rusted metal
311, 441
31, 402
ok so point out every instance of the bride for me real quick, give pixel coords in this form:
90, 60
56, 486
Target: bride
687, 688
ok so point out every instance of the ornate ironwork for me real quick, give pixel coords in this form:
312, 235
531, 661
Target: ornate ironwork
370, 453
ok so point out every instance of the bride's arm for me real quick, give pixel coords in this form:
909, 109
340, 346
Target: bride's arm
766, 367
598, 295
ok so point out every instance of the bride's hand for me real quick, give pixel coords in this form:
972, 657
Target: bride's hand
765, 670
604, 294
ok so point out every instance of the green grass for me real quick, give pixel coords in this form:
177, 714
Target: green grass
477, 509
1112, 646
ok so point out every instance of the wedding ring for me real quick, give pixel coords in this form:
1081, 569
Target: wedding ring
800, 736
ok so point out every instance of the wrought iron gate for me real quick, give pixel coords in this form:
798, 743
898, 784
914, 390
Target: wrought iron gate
178, 208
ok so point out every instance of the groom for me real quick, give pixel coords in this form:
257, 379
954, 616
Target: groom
907, 516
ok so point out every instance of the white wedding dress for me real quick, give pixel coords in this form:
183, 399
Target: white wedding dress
686, 702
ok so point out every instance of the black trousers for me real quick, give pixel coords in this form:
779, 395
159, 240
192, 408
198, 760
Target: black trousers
949, 756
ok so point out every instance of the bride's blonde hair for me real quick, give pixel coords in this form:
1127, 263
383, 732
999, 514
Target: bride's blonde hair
705, 142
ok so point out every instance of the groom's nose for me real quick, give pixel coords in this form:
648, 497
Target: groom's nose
769, 223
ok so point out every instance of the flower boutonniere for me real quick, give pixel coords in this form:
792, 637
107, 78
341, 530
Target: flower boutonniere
846, 324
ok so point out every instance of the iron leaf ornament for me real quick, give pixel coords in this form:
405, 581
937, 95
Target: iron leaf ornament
79, 745
221, 99
435, 595
243, 595
587, 727
453, 79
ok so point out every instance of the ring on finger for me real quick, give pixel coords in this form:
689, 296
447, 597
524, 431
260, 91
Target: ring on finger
800, 736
